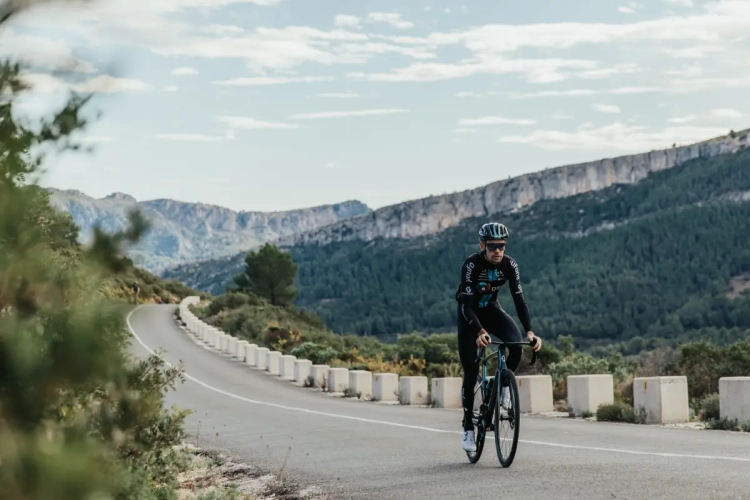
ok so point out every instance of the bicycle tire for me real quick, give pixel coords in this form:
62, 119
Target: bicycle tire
514, 417
479, 433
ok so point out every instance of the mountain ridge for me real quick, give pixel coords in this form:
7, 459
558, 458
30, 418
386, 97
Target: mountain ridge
187, 232
211, 275
434, 214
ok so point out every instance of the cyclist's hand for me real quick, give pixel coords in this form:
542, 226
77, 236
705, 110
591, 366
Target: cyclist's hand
537, 341
483, 339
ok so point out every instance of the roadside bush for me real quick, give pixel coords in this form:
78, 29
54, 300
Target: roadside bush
616, 412
709, 408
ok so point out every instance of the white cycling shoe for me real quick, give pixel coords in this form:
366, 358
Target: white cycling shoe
468, 441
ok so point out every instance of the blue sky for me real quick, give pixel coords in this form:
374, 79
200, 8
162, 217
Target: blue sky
282, 104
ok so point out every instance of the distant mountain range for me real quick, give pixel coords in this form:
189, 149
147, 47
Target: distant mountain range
186, 232
427, 216
660, 256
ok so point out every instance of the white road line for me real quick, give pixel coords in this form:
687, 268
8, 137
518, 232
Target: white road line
428, 429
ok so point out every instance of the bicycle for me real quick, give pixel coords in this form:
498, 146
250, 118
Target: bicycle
483, 418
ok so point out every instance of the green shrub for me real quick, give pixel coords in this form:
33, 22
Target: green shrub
722, 424
709, 408
616, 412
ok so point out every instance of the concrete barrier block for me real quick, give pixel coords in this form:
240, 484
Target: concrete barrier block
413, 391
250, 350
385, 387
734, 398
319, 373
232, 347
360, 384
301, 371
272, 362
242, 349
210, 336
446, 392
216, 334
338, 379
535, 393
260, 357
587, 392
286, 366
662, 400
225, 342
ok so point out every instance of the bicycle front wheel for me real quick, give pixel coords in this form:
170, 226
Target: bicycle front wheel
479, 428
507, 418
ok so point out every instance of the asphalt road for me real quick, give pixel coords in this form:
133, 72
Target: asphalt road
368, 450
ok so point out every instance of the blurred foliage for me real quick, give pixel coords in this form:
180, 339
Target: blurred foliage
80, 418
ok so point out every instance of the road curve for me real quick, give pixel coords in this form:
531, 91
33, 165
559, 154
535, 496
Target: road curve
367, 450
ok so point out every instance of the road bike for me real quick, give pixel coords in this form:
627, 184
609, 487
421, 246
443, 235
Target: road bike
492, 400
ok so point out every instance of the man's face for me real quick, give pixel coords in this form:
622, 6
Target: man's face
493, 250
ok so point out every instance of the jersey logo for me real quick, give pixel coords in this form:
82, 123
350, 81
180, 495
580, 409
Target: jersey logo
469, 269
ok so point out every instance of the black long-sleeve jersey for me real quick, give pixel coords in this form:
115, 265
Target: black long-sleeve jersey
480, 282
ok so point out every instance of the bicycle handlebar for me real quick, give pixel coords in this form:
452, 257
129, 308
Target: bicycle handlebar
502, 343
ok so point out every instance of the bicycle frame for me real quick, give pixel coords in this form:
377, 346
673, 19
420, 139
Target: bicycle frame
501, 365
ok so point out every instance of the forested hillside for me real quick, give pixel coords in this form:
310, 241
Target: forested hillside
663, 259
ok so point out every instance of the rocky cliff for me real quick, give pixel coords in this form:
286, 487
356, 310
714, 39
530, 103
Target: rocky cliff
186, 232
437, 213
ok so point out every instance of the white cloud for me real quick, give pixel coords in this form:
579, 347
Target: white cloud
626, 10
361, 52
245, 122
726, 113
617, 136
719, 24
194, 137
556, 93
607, 108
536, 70
171, 88
347, 114
97, 139
346, 21
682, 119
465, 131
392, 18
686, 71
109, 84
271, 80
682, 3
495, 120
339, 95
222, 29
184, 70
41, 82
560, 116
35, 51
617, 69
468, 94
696, 52
681, 86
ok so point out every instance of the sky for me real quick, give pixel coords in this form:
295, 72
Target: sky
280, 104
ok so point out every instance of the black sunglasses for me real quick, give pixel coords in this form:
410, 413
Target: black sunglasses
495, 246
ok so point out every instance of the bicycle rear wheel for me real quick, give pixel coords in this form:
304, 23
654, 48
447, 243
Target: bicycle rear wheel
507, 442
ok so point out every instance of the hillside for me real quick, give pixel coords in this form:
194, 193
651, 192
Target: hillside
659, 259
185, 232
419, 218
656, 260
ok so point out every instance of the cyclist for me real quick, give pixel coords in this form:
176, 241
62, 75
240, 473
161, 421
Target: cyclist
479, 312
134, 289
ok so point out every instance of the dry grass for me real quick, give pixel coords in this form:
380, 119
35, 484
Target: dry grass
212, 475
